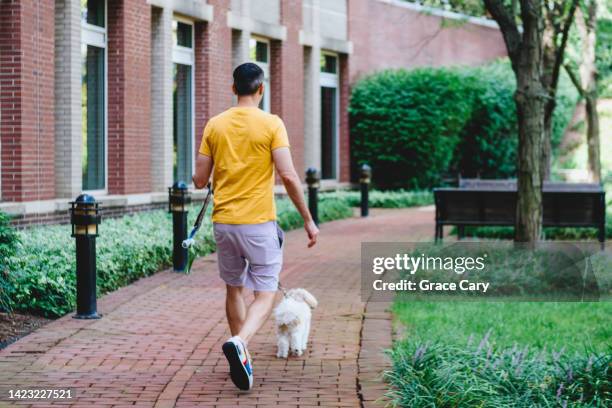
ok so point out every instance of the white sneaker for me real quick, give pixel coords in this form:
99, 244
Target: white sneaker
239, 360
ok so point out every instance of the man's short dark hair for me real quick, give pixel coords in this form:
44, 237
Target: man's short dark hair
247, 78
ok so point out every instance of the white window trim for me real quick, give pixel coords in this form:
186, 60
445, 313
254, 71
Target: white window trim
265, 66
97, 37
186, 56
329, 80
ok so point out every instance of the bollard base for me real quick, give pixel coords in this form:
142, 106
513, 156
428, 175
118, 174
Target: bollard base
87, 316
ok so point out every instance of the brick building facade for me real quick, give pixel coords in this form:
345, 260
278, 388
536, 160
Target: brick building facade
111, 96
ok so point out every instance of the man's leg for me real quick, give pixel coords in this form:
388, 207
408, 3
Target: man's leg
235, 309
257, 314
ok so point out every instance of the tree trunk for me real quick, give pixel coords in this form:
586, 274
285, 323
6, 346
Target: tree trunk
587, 26
593, 137
525, 51
546, 162
557, 22
549, 49
530, 110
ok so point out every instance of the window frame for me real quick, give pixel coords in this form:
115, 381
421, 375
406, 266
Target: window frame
97, 36
186, 56
332, 80
265, 66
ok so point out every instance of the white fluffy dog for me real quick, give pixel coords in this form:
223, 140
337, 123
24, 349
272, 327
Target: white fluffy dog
292, 316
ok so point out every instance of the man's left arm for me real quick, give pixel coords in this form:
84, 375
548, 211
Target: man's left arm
204, 165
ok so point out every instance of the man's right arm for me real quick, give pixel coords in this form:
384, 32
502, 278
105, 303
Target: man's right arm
203, 168
293, 185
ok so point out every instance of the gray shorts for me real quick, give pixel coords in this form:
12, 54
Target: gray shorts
250, 255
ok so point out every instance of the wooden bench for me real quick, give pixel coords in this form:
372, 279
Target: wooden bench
493, 203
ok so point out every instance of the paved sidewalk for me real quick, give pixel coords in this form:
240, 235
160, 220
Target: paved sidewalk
158, 344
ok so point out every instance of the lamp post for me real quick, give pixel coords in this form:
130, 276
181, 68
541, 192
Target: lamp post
85, 217
364, 180
178, 200
312, 179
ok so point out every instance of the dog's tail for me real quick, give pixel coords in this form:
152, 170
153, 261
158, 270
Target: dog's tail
306, 297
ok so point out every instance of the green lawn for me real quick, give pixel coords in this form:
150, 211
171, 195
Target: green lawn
505, 354
494, 354
550, 326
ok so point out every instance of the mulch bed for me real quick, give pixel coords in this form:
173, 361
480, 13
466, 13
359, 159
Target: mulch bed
14, 326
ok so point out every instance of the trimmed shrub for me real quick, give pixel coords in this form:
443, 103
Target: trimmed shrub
401, 126
414, 126
386, 199
488, 142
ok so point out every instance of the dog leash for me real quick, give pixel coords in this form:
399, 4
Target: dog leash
282, 289
199, 219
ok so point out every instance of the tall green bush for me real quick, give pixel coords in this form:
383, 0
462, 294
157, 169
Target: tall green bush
414, 126
400, 124
488, 142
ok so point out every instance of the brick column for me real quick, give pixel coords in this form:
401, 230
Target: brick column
68, 113
26, 100
162, 143
129, 97
213, 67
287, 80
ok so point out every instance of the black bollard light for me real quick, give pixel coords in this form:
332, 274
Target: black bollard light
312, 179
85, 217
178, 200
364, 181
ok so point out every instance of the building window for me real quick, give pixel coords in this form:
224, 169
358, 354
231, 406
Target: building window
93, 94
329, 115
182, 99
260, 54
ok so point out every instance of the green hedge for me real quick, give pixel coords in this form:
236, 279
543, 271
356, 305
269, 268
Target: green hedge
561, 233
387, 199
39, 276
8, 244
414, 126
401, 126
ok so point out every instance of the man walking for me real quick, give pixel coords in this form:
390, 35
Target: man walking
240, 147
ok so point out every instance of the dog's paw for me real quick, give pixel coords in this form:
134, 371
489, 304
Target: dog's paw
281, 355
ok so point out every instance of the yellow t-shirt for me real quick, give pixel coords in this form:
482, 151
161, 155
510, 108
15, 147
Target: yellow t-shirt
240, 142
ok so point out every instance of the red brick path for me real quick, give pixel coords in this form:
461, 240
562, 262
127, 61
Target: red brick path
158, 344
